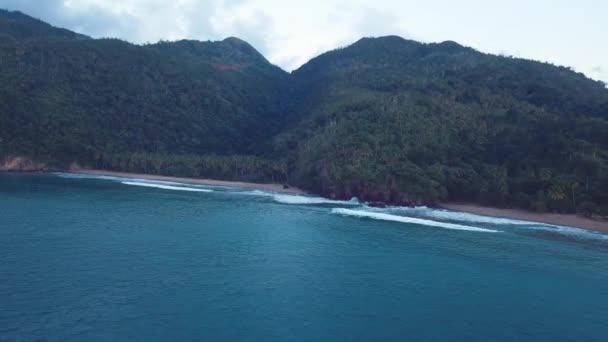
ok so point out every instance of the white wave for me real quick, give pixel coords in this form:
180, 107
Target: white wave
466, 217
403, 219
85, 176
166, 187
296, 199
443, 214
116, 178
573, 232
255, 193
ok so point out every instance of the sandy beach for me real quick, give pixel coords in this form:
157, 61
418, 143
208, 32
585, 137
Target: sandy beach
187, 180
550, 218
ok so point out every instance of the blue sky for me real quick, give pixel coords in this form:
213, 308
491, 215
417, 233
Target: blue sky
288, 33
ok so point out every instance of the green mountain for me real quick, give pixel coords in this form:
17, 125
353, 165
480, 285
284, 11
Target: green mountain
66, 98
18, 26
385, 119
394, 120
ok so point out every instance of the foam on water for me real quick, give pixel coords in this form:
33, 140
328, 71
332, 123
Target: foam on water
459, 216
127, 180
166, 187
112, 178
255, 193
443, 214
296, 199
573, 232
86, 176
403, 219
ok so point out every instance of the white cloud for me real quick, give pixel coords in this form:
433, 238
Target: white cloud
599, 73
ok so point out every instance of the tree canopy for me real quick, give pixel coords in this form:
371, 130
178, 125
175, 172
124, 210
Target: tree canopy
384, 119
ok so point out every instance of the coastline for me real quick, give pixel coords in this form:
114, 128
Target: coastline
569, 220
199, 181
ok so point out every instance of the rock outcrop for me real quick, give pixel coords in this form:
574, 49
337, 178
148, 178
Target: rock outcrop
376, 194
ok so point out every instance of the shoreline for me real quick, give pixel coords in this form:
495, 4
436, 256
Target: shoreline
569, 220
196, 181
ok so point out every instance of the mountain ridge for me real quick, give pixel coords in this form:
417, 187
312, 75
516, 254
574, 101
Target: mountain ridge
384, 119
447, 44
11, 21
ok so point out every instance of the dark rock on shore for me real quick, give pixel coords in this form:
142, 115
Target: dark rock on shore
376, 195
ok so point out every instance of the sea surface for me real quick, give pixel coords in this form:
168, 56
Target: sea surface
92, 258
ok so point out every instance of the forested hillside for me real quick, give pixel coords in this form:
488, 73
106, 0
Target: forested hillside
66, 98
399, 121
385, 119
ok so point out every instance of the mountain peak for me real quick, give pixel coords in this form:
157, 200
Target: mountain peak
235, 41
243, 48
390, 39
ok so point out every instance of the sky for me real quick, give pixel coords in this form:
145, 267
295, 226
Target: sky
572, 33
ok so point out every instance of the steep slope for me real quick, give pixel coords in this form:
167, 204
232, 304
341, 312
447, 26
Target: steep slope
398, 121
385, 119
16, 25
67, 99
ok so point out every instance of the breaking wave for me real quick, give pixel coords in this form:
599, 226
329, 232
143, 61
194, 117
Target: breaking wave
577, 233
443, 214
460, 217
166, 187
295, 199
85, 176
112, 178
403, 219
255, 193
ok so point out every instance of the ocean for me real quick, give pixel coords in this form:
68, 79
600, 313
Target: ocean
95, 258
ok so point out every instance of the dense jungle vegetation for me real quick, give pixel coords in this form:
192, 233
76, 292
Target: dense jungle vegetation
384, 119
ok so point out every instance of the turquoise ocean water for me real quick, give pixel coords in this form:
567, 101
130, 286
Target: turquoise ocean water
89, 258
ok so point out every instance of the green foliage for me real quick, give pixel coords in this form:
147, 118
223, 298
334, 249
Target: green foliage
384, 119
443, 122
73, 98
234, 167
